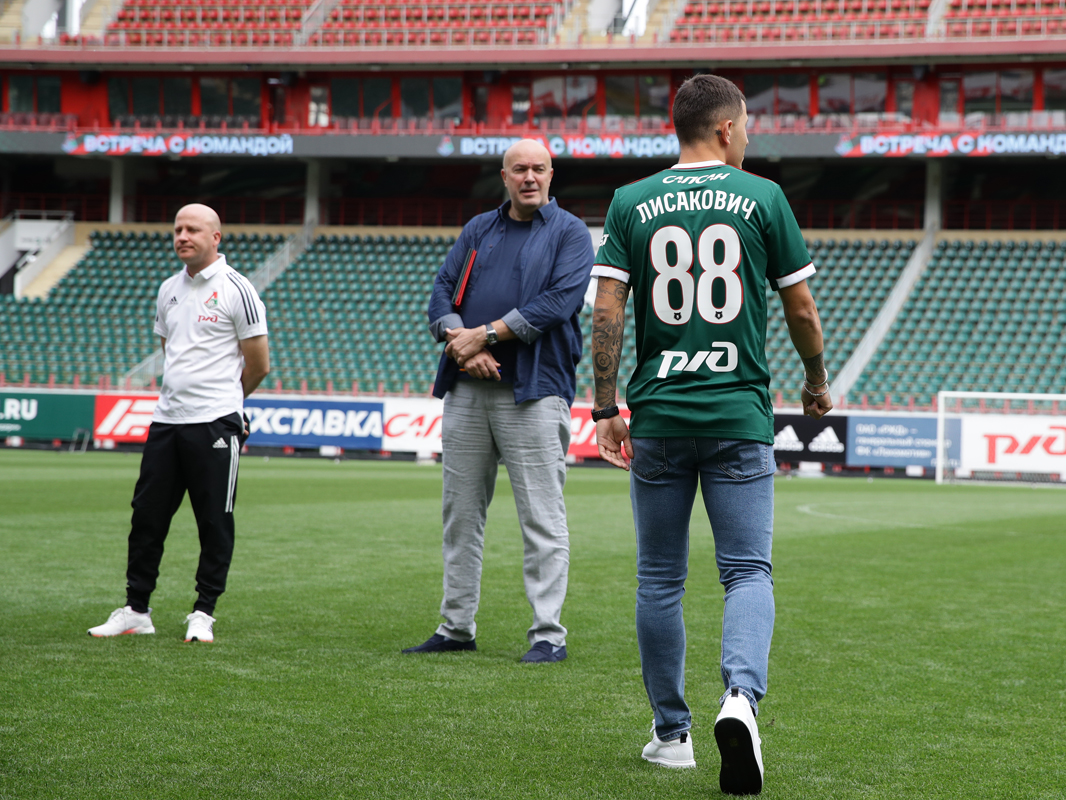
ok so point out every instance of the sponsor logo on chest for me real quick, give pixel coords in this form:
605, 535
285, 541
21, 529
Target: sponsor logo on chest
210, 309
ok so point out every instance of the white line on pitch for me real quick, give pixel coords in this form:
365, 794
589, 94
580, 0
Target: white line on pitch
809, 509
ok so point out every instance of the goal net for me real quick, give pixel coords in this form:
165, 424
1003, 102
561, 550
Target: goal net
1001, 436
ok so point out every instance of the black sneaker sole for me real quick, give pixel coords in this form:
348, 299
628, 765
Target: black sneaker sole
740, 771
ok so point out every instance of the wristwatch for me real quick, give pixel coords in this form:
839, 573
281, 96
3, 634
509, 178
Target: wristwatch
491, 337
605, 413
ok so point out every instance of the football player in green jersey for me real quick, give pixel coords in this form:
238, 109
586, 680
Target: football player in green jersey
695, 245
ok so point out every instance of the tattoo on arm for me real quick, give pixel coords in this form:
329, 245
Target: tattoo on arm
608, 322
815, 366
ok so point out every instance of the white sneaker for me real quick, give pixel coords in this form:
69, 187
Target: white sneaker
124, 620
738, 740
676, 753
201, 627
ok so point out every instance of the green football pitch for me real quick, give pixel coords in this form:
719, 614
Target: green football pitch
920, 647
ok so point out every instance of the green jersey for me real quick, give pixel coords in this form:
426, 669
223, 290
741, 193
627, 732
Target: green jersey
696, 244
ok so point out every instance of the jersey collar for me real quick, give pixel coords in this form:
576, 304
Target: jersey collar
210, 271
699, 164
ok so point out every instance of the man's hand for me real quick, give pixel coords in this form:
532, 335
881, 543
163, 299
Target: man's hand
482, 366
464, 343
612, 439
816, 407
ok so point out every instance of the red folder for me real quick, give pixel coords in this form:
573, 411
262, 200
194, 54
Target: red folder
464, 278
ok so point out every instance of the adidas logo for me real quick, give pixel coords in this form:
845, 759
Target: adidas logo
172, 301
786, 439
220, 445
826, 442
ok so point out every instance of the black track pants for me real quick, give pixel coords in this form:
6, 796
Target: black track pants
200, 458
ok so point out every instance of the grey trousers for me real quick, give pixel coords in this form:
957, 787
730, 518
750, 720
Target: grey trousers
481, 427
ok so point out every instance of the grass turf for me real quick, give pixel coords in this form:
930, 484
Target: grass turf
919, 649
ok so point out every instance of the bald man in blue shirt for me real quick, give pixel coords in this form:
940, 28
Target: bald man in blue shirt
508, 377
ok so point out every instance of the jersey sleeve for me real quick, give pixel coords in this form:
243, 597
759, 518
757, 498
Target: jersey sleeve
612, 256
787, 259
160, 328
246, 309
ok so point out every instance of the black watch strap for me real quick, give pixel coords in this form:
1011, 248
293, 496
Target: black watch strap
605, 413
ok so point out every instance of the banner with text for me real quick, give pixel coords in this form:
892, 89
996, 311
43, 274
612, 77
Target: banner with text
1013, 443
899, 441
280, 421
568, 145
44, 415
183, 144
965, 144
412, 425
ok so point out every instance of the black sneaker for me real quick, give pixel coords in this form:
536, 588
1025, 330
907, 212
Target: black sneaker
441, 644
544, 653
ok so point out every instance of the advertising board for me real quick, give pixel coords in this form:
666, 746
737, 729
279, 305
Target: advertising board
800, 438
281, 421
412, 425
583, 431
1013, 443
123, 418
44, 415
898, 441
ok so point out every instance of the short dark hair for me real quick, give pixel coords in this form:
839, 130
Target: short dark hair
701, 103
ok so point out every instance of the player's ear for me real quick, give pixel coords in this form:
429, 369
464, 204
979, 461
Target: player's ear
726, 127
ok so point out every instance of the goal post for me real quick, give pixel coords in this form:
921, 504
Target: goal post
1000, 436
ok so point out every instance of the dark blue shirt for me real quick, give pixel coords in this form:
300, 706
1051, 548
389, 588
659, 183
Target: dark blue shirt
549, 275
493, 286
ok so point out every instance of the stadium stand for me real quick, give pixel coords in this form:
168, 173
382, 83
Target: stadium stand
439, 23
350, 311
853, 281
986, 315
975, 18
213, 24
96, 322
352, 23
799, 20
336, 311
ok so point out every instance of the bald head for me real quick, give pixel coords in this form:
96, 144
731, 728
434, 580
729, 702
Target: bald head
204, 214
197, 233
527, 149
527, 174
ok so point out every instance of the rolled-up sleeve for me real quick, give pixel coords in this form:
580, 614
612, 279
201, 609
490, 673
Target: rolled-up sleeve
440, 312
563, 294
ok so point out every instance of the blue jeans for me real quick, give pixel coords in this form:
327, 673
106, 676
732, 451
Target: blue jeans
736, 478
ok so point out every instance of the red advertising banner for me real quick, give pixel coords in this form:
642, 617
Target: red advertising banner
583, 432
123, 418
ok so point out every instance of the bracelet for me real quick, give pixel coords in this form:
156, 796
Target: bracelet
823, 383
817, 394
605, 413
